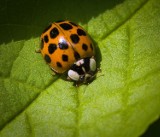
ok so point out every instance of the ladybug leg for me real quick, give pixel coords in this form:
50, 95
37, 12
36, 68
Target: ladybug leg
99, 70
68, 78
38, 51
53, 73
77, 83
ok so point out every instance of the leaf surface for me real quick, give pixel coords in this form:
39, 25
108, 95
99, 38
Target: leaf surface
123, 100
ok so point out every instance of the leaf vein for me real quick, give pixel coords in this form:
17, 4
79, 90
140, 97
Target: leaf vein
125, 20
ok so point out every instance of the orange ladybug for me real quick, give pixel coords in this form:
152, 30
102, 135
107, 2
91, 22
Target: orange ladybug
65, 46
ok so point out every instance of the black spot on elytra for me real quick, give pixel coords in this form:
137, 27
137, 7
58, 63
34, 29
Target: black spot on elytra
46, 39
47, 58
52, 48
63, 45
64, 57
46, 29
54, 32
74, 38
66, 26
84, 47
59, 64
81, 32
76, 55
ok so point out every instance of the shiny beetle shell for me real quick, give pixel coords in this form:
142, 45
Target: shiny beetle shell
64, 43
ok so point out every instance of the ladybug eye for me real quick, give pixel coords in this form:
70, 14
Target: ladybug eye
81, 78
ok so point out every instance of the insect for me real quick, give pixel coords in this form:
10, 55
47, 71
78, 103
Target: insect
66, 47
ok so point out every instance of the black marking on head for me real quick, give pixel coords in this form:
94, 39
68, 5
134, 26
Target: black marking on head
77, 69
73, 24
59, 21
74, 38
63, 45
76, 55
42, 44
47, 58
86, 64
81, 32
66, 26
91, 46
52, 48
65, 57
46, 39
54, 32
59, 64
84, 47
46, 29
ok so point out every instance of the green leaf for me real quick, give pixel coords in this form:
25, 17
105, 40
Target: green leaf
122, 101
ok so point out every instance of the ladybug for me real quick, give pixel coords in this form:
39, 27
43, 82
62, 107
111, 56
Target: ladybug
66, 47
